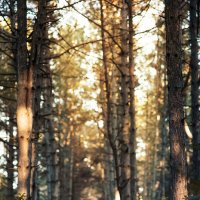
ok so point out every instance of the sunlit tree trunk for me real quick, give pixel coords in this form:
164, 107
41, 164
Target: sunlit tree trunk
173, 14
125, 172
195, 89
114, 158
104, 100
24, 102
110, 147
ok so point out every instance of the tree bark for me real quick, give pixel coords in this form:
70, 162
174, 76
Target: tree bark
107, 115
173, 14
132, 136
52, 158
10, 158
125, 169
36, 61
24, 102
194, 67
11, 107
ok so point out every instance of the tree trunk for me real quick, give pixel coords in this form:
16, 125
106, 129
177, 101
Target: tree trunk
195, 89
24, 103
52, 158
107, 116
36, 61
132, 136
173, 13
11, 108
125, 174
10, 158
164, 143
71, 164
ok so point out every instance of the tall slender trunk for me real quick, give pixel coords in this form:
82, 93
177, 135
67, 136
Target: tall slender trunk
155, 159
71, 164
52, 176
114, 157
125, 176
156, 192
64, 151
11, 107
195, 89
132, 136
108, 155
36, 61
24, 102
62, 172
10, 158
164, 145
147, 167
106, 102
173, 15
52, 158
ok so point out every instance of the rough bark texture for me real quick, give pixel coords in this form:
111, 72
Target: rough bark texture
132, 137
195, 89
125, 169
36, 60
24, 102
173, 9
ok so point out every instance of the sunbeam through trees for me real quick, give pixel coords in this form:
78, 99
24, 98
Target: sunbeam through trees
99, 100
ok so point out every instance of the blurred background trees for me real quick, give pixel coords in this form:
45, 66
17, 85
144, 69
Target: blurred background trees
84, 99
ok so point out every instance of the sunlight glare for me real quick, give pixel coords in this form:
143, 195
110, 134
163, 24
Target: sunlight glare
117, 197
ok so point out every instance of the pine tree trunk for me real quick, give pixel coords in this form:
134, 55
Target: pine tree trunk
71, 164
10, 158
36, 60
110, 146
195, 89
24, 103
163, 142
52, 158
114, 158
64, 151
132, 136
11, 108
125, 175
173, 14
